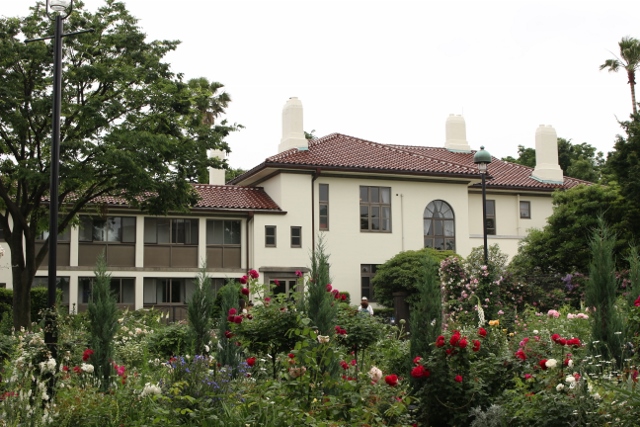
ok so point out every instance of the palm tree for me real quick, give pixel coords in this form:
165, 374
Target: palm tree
630, 61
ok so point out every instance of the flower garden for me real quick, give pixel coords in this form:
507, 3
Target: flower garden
475, 352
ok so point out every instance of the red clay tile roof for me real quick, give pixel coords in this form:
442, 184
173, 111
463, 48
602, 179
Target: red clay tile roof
234, 197
338, 151
503, 174
225, 197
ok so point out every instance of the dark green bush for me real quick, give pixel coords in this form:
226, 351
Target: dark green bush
170, 341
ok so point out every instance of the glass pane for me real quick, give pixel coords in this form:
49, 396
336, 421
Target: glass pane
86, 229
324, 193
428, 242
114, 229
99, 230
491, 208
324, 222
428, 227
450, 244
149, 295
232, 232
449, 228
191, 231
128, 291
162, 291
364, 218
375, 218
128, 230
177, 291
364, 194
439, 224
385, 195
215, 234
439, 243
84, 289
163, 229
150, 235
446, 211
375, 194
386, 218
428, 212
115, 289
177, 232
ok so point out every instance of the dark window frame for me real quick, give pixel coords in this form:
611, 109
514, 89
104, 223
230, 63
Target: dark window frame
492, 226
323, 202
173, 232
367, 273
443, 215
270, 232
117, 281
229, 227
121, 238
527, 214
298, 230
371, 200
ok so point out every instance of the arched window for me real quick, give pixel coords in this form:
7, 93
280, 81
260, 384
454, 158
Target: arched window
439, 226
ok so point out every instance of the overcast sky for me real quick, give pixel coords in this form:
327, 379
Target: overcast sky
392, 71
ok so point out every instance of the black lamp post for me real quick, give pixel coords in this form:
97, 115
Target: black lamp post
482, 158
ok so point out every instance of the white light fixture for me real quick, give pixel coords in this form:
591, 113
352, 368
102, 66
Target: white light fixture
60, 6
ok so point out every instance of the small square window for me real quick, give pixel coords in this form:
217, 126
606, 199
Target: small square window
270, 236
296, 237
525, 210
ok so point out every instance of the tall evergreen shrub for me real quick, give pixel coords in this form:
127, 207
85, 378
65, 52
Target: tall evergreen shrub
426, 312
228, 352
103, 323
601, 294
200, 311
320, 305
633, 290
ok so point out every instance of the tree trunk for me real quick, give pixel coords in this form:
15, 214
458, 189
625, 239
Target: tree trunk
22, 247
632, 83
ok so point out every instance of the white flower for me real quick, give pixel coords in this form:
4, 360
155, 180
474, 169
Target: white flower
87, 367
560, 387
206, 348
48, 365
150, 389
596, 396
536, 332
323, 339
551, 363
375, 374
570, 379
570, 363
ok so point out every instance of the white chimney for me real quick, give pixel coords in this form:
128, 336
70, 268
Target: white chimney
547, 167
216, 176
292, 130
456, 134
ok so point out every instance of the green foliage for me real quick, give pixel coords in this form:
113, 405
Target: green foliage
232, 173
602, 293
363, 330
228, 352
629, 61
103, 323
131, 127
562, 246
169, 341
200, 311
318, 303
402, 272
426, 312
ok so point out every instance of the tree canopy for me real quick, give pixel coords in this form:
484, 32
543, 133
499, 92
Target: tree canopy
130, 126
629, 60
579, 161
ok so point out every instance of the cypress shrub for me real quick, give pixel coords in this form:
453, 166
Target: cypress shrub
200, 311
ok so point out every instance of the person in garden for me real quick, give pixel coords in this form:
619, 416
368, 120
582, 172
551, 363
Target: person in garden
365, 307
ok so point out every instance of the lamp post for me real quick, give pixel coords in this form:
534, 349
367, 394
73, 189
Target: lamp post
482, 158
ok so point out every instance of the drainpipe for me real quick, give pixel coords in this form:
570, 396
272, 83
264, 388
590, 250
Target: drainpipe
249, 219
401, 219
316, 174
518, 214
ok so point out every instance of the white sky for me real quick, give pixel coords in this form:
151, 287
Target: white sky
392, 71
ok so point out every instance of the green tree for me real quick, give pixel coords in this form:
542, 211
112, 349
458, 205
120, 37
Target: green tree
200, 311
103, 323
232, 173
318, 303
579, 161
130, 126
562, 246
629, 60
602, 289
426, 312
402, 272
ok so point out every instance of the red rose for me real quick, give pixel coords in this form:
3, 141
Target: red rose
344, 365
392, 380
562, 341
298, 273
574, 342
343, 297
476, 345
228, 334
254, 274
482, 332
251, 361
276, 282
543, 365
87, 354
527, 376
416, 360
231, 318
245, 291
237, 319
520, 354
417, 372
243, 280
462, 343
232, 311
454, 338
329, 287
458, 378
637, 301
77, 369
291, 355
440, 341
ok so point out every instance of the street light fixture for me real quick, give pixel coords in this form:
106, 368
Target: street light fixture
482, 158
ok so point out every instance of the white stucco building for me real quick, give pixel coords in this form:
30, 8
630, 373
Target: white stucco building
369, 200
